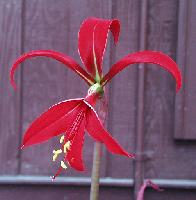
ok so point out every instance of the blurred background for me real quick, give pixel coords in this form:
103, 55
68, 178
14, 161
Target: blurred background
145, 115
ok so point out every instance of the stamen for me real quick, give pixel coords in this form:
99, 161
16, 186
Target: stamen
57, 173
67, 146
63, 165
62, 139
56, 153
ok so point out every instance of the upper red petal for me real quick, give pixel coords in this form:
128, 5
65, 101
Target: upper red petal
74, 155
92, 39
52, 122
68, 61
97, 131
146, 57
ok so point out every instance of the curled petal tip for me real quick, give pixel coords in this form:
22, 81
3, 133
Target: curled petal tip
131, 156
115, 41
79, 168
14, 86
13, 82
82, 169
76, 164
178, 87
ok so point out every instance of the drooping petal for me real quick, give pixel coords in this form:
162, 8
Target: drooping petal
92, 40
146, 57
140, 195
52, 122
74, 155
66, 60
97, 131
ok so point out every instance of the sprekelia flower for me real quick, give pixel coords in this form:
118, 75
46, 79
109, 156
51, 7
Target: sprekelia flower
71, 118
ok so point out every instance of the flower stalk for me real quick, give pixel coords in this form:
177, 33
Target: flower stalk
94, 192
95, 174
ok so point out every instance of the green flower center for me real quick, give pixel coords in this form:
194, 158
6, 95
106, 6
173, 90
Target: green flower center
96, 88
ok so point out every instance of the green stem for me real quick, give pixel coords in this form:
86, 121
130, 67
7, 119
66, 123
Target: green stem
94, 193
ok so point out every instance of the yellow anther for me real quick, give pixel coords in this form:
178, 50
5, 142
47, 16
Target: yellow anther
62, 139
67, 146
63, 165
56, 153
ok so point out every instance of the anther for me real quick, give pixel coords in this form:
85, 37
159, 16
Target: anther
56, 153
63, 165
62, 139
67, 146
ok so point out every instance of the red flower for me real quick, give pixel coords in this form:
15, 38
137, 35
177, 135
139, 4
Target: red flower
72, 117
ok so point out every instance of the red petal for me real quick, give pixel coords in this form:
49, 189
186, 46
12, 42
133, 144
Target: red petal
92, 40
140, 195
91, 99
146, 57
52, 122
68, 61
97, 131
74, 156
